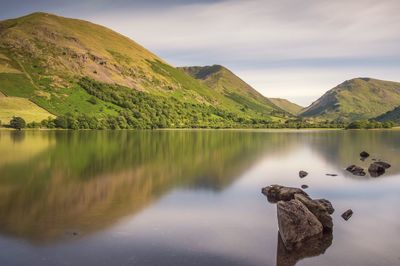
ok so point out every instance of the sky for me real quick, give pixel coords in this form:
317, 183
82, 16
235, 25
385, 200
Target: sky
293, 49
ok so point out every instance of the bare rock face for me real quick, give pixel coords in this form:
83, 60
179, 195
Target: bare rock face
322, 209
276, 193
296, 223
356, 170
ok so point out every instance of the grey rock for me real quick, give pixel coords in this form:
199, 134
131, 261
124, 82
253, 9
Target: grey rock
364, 154
296, 223
347, 214
304, 186
320, 208
303, 174
276, 193
331, 174
356, 170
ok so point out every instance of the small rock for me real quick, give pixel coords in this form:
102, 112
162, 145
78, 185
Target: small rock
356, 170
303, 174
376, 169
364, 154
347, 214
304, 186
331, 174
296, 223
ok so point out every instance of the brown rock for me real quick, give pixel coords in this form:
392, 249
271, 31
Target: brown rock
320, 208
296, 223
347, 214
356, 170
276, 193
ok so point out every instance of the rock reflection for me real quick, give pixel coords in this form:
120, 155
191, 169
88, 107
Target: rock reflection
312, 247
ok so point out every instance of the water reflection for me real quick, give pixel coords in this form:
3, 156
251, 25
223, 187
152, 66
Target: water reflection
187, 197
311, 248
88, 180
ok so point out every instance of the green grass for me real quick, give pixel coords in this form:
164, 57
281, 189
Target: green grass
14, 106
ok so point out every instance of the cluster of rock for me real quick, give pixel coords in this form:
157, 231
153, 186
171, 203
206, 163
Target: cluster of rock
299, 216
376, 168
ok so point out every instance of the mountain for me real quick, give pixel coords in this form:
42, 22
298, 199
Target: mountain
224, 81
355, 99
393, 116
286, 105
74, 67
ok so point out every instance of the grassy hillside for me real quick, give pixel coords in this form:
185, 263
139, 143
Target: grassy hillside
356, 99
286, 105
44, 58
15, 106
393, 116
223, 81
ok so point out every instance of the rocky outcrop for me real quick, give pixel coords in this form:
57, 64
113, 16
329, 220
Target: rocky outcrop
276, 193
296, 223
299, 216
356, 170
322, 209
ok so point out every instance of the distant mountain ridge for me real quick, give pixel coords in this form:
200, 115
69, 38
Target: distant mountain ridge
287, 105
356, 99
224, 81
61, 64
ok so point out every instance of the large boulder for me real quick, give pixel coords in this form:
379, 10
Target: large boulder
322, 209
296, 223
356, 170
276, 193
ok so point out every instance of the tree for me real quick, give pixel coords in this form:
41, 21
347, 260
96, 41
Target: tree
17, 123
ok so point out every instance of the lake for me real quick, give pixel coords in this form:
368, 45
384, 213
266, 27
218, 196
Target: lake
190, 197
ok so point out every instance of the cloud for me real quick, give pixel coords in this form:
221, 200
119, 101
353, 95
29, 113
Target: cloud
259, 38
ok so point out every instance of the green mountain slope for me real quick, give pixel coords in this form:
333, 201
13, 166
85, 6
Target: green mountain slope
356, 99
223, 81
286, 105
61, 64
393, 116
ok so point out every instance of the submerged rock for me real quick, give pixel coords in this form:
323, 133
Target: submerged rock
331, 174
303, 174
276, 193
347, 214
322, 209
356, 170
296, 223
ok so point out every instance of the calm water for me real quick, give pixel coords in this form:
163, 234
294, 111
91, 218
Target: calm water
189, 197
